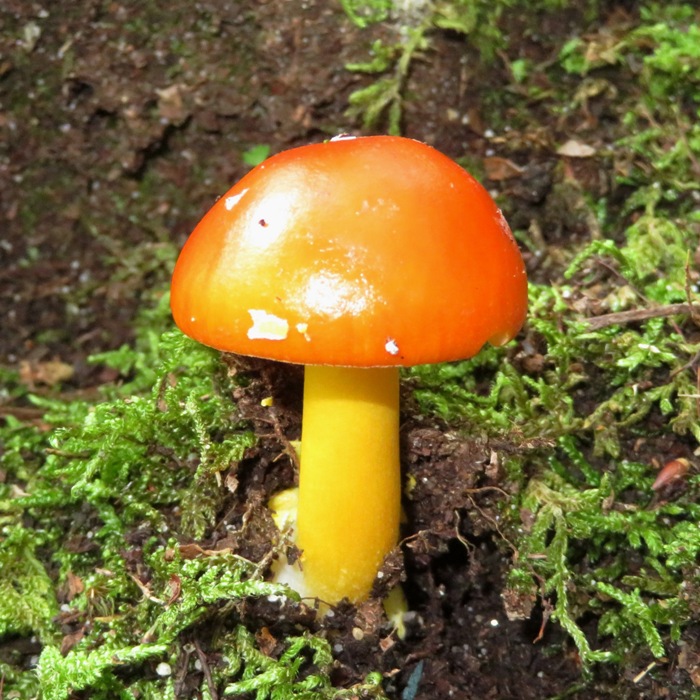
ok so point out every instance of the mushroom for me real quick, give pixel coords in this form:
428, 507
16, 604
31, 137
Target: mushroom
353, 257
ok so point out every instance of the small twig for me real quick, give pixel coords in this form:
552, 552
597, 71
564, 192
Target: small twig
688, 365
494, 524
644, 672
145, 590
547, 610
69, 455
206, 671
617, 273
467, 545
622, 317
21, 413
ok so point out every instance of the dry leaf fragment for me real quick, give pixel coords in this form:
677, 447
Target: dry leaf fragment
576, 149
175, 585
75, 585
192, 551
266, 641
689, 661
70, 640
501, 168
670, 473
49, 373
170, 104
231, 482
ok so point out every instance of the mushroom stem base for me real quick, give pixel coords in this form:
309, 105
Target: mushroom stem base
284, 506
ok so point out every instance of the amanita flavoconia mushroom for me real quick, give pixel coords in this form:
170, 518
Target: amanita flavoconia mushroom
353, 257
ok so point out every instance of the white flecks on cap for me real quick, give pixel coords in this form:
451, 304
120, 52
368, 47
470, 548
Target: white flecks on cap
303, 328
267, 326
391, 347
343, 137
230, 202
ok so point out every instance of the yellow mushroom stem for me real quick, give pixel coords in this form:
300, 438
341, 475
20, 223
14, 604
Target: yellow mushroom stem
349, 481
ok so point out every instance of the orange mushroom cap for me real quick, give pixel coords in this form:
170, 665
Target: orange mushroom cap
373, 251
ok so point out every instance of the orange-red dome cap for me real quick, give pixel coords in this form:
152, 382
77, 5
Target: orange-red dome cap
373, 251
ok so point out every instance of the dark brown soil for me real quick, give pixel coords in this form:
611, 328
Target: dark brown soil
120, 123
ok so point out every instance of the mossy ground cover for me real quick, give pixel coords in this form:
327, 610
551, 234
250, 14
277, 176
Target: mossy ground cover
134, 539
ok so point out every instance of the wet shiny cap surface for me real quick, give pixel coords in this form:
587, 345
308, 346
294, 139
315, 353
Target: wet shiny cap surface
371, 251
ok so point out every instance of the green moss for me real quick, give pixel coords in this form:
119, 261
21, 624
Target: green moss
27, 596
